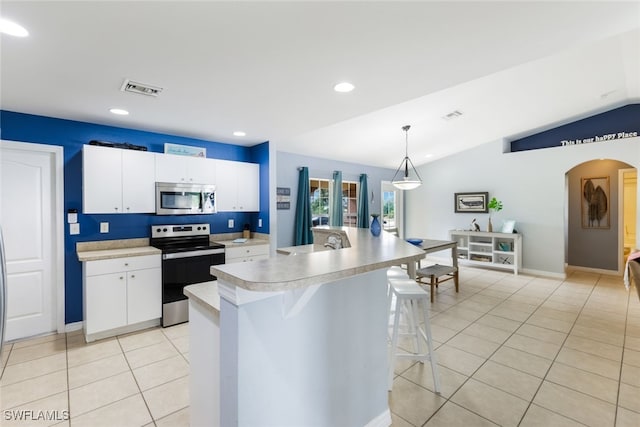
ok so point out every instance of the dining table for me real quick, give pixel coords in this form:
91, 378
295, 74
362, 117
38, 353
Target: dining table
430, 246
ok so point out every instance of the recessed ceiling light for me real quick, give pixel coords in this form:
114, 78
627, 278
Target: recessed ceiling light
239, 133
426, 156
343, 87
119, 111
12, 29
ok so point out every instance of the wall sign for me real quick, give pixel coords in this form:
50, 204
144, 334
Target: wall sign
620, 123
599, 138
283, 198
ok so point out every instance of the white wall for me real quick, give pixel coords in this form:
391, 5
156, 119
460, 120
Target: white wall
531, 185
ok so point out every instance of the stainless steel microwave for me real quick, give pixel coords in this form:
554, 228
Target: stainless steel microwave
185, 199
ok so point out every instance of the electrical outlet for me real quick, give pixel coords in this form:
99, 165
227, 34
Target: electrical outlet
74, 228
259, 222
230, 223
104, 227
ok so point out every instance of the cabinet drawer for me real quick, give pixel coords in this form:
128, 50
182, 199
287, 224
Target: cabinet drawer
246, 251
105, 266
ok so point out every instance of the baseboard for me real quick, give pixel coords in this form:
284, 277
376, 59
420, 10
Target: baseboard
75, 326
542, 273
122, 330
382, 420
593, 270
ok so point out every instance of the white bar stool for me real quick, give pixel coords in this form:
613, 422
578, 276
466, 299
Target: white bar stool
395, 272
408, 295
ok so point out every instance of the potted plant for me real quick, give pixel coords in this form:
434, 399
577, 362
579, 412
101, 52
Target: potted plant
495, 205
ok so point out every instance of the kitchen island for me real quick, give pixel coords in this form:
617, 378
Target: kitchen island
296, 340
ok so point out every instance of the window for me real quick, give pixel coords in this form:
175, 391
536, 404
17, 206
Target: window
350, 203
320, 195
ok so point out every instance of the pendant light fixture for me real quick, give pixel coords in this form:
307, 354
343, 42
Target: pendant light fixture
406, 181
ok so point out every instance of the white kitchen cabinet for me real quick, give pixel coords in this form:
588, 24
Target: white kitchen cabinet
496, 250
121, 295
115, 180
237, 186
185, 169
246, 253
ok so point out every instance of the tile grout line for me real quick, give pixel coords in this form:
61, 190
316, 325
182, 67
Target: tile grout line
554, 361
447, 400
624, 340
486, 359
136, 381
530, 402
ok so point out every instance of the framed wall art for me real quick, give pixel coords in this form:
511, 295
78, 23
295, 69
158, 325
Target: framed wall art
471, 202
595, 202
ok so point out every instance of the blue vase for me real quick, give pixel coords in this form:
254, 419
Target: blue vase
375, 226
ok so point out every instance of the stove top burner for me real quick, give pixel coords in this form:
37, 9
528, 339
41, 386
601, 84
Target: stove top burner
182, 238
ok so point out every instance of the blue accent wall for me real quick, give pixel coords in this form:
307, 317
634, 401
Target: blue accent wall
620, 123
72, 135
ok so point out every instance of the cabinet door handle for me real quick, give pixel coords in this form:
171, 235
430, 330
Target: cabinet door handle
116, 209
121, 278
126, 264
133, 276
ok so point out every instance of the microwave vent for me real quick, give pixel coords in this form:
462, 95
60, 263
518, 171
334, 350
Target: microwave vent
140, 88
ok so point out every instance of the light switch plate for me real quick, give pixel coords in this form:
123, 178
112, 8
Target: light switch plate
74, 228
104, 227
259, 222
230, 223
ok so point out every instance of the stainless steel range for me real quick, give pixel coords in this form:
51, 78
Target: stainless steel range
187, 255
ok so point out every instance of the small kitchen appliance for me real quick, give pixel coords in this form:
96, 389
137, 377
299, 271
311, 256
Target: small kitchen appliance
185, 199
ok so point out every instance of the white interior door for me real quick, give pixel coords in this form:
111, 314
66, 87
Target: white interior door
27, 214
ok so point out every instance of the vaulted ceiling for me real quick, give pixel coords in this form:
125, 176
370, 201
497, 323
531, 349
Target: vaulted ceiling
268, 69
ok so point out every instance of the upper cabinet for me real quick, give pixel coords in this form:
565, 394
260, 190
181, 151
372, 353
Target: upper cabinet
185, 169
237, 186
117, 181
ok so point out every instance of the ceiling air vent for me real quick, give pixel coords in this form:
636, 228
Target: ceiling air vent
140, 88
452, 115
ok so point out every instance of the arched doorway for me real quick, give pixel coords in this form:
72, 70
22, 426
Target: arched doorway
597, 205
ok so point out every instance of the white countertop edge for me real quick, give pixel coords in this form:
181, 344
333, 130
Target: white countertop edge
297, 283
117, 253
206, 294
249, 242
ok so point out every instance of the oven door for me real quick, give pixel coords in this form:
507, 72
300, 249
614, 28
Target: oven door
179, 270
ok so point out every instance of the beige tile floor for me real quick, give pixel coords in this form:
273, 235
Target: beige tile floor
513, 351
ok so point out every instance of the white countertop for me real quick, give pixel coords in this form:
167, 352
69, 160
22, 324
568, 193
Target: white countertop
368, 253
108, 249
249, 242
206, 294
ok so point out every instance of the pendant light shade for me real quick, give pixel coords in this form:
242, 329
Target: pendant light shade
406, 180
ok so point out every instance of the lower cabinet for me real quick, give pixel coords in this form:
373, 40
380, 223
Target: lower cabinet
246, 253
121, 295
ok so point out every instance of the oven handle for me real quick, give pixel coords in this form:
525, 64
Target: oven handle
189, 254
